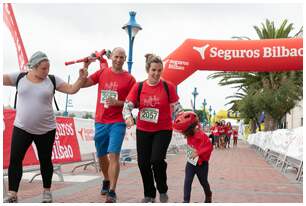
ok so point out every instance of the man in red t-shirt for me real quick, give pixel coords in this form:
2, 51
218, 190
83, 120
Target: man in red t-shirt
114, 83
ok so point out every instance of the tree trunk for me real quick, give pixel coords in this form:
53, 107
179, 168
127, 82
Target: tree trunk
270, 123
252, 126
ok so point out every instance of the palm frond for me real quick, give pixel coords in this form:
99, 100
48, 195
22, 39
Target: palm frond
299, 33
258, 31
280, 30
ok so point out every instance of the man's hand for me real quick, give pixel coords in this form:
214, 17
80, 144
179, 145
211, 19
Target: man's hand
111, 101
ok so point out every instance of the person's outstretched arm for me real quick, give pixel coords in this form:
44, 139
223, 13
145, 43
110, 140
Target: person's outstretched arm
88, 82
75, 87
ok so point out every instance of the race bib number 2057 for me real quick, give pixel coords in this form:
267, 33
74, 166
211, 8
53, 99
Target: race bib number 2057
149, 115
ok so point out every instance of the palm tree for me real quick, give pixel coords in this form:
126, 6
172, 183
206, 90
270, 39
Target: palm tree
275, 93
274, 81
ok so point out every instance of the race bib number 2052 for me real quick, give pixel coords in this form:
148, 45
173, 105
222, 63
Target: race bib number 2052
105, 94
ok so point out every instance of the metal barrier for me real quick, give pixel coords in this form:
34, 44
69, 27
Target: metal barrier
299, 175
57, 169
91, 161
281, 160
272, 156
127, 155
295, 163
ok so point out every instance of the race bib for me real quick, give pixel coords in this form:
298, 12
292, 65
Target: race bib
189, 152
149, 115
105, 94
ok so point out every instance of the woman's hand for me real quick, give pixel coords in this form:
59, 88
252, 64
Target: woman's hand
129, 122
194, 154
83, 73
88, 62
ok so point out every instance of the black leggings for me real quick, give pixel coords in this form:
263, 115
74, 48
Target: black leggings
202, 174
151, 153
21, 141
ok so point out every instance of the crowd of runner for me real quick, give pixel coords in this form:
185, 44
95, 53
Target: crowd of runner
221, 134
118, 95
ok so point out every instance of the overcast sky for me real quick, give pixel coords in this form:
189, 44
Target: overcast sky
71, 31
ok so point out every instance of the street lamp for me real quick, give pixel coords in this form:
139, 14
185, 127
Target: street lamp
132, 27
204, 113
209, 114
194, 93
214, 116
65, 113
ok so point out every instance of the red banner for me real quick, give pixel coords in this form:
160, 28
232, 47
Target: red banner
8, 120
30, 157
10, 21
65, 148
267, 55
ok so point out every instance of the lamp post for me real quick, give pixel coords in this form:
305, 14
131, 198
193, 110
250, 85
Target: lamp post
210, 109
132, 27
214, 113
194, 93
65, 113
204, 113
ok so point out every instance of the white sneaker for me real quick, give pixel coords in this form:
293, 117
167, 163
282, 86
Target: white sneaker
10, 198
47, 197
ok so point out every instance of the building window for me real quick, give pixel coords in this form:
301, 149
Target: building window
302, 121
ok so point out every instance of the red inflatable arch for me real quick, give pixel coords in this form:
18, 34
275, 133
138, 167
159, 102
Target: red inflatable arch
269, 55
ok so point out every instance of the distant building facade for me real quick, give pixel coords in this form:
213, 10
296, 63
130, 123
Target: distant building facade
294, 118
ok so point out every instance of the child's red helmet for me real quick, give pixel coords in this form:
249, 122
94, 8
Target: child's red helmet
184, 120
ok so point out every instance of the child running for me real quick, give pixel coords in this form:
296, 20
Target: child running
200, 148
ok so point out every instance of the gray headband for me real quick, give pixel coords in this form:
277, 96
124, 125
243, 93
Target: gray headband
36, 58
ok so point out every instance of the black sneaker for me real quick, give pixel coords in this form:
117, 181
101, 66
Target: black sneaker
148, 200
208, 198
111, 197
163, 197
105, 187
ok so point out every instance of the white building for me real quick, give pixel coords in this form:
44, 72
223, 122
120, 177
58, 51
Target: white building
294, 118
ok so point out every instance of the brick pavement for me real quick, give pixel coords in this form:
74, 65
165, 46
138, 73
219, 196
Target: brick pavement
236, 175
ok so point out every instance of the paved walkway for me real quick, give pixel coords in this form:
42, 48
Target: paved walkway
236, 175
